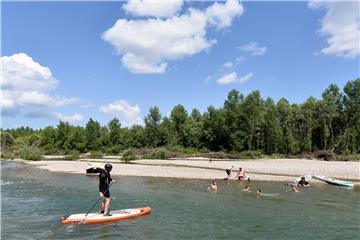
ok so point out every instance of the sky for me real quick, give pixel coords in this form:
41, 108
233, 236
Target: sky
72, 61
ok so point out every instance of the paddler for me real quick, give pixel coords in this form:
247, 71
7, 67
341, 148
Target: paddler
104, 191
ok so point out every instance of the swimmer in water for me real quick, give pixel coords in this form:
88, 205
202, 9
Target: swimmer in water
246, 189
293, 189
258, 192
213, 187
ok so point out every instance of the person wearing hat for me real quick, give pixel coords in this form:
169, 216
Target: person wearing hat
104, 191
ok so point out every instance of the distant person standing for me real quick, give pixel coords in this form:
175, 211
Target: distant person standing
228, 172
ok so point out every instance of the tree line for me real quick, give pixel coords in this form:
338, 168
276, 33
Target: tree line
243, 123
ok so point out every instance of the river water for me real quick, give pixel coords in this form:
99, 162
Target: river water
33, 201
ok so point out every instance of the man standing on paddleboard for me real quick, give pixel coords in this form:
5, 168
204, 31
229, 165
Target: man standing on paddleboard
104, 185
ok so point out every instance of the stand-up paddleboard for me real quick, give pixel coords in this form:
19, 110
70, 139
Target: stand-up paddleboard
334, 181
99, 217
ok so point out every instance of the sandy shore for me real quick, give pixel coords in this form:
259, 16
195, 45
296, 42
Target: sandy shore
262, 170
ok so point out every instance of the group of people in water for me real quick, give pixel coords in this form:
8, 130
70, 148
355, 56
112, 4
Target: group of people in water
240, 176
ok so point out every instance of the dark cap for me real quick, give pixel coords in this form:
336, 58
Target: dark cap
108, 166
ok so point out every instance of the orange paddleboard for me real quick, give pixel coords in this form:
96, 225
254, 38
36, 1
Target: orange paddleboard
99, 217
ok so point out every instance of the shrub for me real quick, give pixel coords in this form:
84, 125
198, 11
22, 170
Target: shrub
7, 155
277, 156
251, 155
30, 153
113, 150
96, 154
128, 156
158, 154
350, 157
73, 156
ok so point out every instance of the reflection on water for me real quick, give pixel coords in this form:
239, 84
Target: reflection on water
33, 201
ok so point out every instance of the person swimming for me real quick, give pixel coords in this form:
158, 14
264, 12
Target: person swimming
293, 189
258, 192
213, 187
246, 189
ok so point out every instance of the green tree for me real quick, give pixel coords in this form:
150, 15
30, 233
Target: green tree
287, 142
178, 117
93, 133
155, 136
271, 128
215, 135
252, 108
7, 140
235, 120
48, 140
63, 134
115, 132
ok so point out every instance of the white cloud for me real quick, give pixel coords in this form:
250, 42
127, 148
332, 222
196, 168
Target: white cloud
341, 26
228, 64
221, 15
253, 48
88, 105
232, 64
208, 78
25, 83
153, 8
233, 78
76, 117
146, 45
127, 113
21, 72
69, 118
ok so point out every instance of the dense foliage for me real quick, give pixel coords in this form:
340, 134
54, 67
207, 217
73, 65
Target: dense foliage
244, 123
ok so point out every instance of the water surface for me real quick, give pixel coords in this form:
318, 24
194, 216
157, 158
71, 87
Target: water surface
33, 201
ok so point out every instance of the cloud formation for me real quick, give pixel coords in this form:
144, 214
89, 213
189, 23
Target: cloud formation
146, 45
233, 78
55, 115
341, 26
25, 83
128, 114
253, 48
233, 64
153, 8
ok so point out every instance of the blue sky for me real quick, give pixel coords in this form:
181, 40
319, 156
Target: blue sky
68, 60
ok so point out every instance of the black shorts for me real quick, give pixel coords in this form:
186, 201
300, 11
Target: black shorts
107, 194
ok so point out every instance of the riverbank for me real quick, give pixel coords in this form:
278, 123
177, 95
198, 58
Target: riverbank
260, 170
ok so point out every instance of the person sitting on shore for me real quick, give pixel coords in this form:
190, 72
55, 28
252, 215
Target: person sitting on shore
293, 188
228, 172
303, 183
240, 175
213, 187
246, 189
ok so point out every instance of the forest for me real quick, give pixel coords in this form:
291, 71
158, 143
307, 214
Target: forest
244, 124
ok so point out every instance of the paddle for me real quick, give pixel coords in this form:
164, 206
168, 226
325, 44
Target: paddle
98, 199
